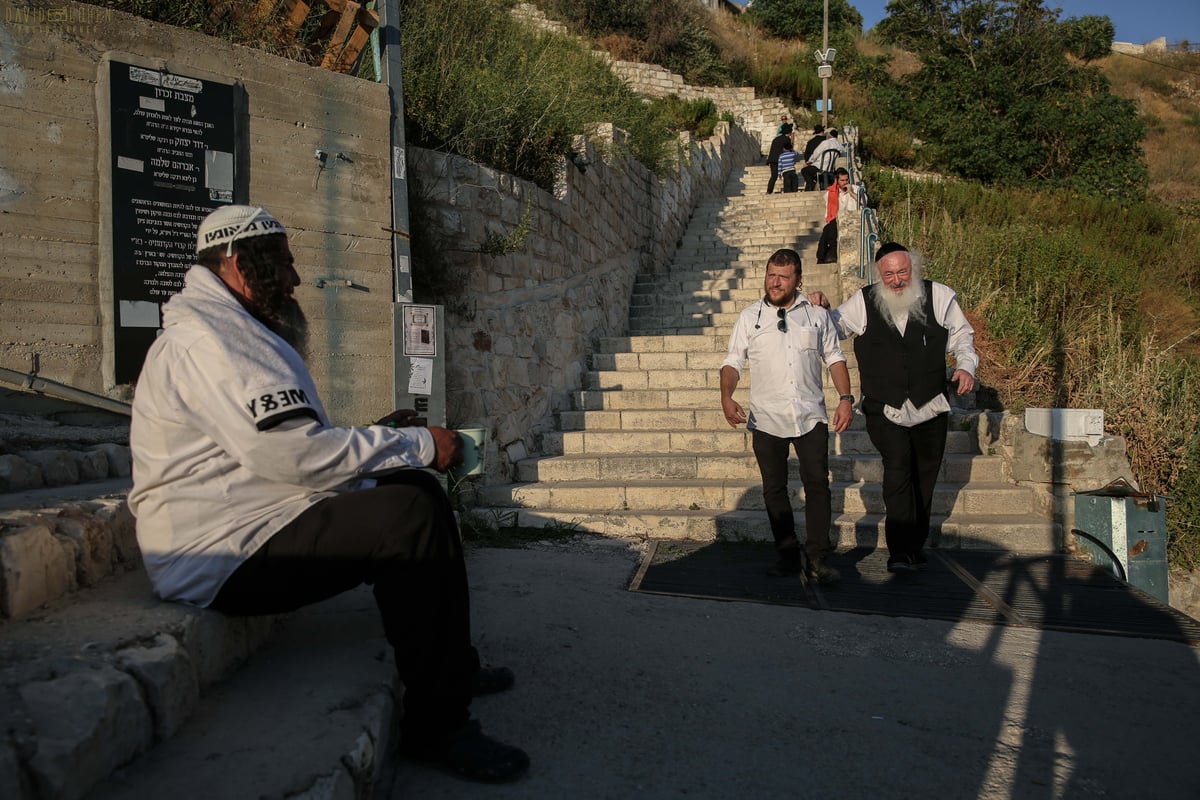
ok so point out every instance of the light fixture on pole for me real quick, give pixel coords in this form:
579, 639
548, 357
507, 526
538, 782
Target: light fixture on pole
825, 67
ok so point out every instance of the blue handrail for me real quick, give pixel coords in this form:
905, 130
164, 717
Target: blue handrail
872, 231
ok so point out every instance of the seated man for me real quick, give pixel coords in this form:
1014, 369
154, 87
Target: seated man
249, 501
823, 159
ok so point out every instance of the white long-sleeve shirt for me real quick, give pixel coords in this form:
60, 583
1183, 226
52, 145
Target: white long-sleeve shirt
230, 442
786, 396
851, 320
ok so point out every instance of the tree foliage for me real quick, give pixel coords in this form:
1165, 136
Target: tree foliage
804, 18
998, 99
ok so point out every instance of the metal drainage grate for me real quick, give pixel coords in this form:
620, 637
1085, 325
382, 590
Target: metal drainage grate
1055, 592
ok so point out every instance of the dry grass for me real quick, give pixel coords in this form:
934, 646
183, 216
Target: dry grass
742, 41
1166, 89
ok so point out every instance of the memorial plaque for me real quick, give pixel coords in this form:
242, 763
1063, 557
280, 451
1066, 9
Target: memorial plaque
175, 141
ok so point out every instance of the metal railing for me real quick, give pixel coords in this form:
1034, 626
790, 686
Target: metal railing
871, 231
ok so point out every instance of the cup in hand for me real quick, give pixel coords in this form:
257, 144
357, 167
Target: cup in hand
474, 440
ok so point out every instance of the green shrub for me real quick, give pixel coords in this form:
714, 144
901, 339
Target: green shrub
480, 84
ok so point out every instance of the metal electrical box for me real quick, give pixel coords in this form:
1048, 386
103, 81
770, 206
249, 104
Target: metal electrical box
1133, 525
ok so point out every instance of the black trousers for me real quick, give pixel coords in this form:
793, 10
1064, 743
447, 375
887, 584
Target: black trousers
827, 245
402, 538
911, 460
810, 174
790, 181
812, 449
774, 165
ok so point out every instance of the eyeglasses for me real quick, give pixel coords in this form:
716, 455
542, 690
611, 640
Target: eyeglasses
782, 314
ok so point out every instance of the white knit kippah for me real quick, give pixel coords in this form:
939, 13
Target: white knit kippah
230, 223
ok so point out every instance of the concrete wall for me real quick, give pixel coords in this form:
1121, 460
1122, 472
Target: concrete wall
51, 194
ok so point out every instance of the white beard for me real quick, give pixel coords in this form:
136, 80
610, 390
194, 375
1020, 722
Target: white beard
898, 308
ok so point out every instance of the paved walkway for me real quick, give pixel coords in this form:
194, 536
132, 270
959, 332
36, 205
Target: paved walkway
628, 695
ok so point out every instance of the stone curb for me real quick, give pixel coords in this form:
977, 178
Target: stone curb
94, 681
47, 553
95, 671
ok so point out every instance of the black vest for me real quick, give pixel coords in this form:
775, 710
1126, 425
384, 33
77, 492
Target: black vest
892, 368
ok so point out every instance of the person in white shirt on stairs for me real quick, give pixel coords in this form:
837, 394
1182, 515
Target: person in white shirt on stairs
905, 327
786, 341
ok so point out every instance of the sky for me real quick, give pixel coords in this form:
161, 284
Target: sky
1136, 21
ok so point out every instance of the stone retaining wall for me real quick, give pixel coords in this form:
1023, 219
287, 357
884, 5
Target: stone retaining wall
520, 332
760, 116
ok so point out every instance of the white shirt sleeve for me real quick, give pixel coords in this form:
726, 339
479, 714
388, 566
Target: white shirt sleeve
850, 318
739, 342
302, 451
961, 343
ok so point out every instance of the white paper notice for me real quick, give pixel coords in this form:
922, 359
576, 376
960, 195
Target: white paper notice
420, 339
420, 376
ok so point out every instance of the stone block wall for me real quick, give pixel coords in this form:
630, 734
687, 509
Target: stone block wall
758, 115
519, 333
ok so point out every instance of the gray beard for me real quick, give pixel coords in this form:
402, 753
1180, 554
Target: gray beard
908, 305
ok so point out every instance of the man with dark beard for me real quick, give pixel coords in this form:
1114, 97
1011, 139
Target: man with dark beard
249, 501
905, 327
786, 341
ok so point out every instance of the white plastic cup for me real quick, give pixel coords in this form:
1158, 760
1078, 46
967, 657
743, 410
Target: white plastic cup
474, 440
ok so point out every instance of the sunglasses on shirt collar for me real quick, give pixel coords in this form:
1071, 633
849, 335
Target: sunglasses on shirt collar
779, 312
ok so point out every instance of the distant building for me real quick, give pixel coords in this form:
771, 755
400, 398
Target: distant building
728, 6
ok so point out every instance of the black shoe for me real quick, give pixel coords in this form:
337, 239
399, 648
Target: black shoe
490, 680
822, 573
468, 753
919, 560
901, 564
784, 567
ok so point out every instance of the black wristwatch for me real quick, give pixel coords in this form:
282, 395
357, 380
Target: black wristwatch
849, 397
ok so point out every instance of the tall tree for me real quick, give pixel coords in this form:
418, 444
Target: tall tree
804, 18
998, 99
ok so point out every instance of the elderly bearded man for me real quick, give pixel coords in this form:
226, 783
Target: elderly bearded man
249, 501
905, 327
786, 341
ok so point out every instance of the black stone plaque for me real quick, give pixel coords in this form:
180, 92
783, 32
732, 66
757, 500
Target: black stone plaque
176, 142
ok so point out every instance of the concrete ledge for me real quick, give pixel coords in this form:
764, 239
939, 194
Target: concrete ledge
100, 676
50, 551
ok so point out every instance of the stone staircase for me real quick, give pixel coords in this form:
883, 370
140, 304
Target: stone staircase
646, 452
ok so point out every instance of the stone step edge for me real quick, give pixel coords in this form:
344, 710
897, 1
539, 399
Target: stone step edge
84, 696
89, 696
951, 532
52, 546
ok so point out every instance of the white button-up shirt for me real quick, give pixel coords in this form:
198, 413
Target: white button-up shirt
786, 396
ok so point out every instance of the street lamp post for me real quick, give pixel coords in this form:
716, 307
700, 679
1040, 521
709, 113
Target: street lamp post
825, 71
825, 78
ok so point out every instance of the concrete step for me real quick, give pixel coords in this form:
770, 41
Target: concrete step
653, 343
99, 679
1014, 532
312, 714
649, 380
632, 362
731, 494
678, 454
